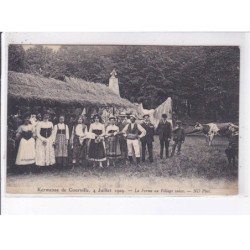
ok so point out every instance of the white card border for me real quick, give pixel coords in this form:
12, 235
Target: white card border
135, 205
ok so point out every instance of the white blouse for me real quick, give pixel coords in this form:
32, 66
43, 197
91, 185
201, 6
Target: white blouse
25, 128
62, 126
112, 127
43, 124
79, 130
98, 126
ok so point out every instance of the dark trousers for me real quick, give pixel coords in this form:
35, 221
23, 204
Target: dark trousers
231, 154
164, 143
123, 148
178, 145
149, 145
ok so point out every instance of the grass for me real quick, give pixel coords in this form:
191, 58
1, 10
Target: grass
197, 166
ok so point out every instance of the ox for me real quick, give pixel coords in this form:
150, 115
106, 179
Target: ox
212, 129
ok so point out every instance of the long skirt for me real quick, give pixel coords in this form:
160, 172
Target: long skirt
26, 154
97, 151
113, 147
79, 151
61, 150
45, 154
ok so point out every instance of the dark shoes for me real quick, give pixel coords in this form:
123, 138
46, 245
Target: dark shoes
150, 160
130, 159
178, 153
138, 160
167, 156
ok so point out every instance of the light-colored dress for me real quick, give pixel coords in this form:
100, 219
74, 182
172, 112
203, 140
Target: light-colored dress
112, 145
97, 150
45, 152
26, 151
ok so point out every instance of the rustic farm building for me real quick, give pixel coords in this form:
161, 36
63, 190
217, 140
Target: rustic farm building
34, 89
37, 94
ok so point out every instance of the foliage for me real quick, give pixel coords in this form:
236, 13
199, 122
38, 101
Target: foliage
202, 80
17, 58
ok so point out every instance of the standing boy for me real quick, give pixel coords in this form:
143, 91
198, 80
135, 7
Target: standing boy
178, 137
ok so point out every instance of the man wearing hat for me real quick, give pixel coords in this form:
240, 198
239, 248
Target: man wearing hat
165, 133
178, 137
133, 132
122, 141
147, 140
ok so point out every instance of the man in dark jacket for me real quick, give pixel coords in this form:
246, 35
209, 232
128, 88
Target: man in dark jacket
232, 150
147, 140
178, 137
165, 133
123, 143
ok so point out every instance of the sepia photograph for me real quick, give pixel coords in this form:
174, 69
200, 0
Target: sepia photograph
122, 120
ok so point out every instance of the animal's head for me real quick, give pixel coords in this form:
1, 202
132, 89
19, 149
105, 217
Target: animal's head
198, 127
233, 129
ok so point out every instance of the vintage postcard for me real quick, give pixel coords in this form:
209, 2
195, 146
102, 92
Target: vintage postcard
122, 119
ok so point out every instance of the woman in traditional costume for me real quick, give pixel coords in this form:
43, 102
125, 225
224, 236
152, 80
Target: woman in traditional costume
71, 125
97, 146
112, 146
78, 143
61, 131
26, 151
45, 152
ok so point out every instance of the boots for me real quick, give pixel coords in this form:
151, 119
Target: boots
138, 160
130, 159
167, 153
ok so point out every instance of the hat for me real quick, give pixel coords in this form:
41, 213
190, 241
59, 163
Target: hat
46, 115
122, 114
132, 116
164, 116
112, 117
97, 115
145, 115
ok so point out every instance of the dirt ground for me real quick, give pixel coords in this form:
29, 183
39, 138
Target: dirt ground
199, 170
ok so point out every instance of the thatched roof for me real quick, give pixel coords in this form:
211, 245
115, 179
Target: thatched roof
74, 91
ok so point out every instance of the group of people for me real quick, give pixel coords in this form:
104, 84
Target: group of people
43, 143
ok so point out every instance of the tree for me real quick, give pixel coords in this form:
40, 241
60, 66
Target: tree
202, 80
40, 60
16, 58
